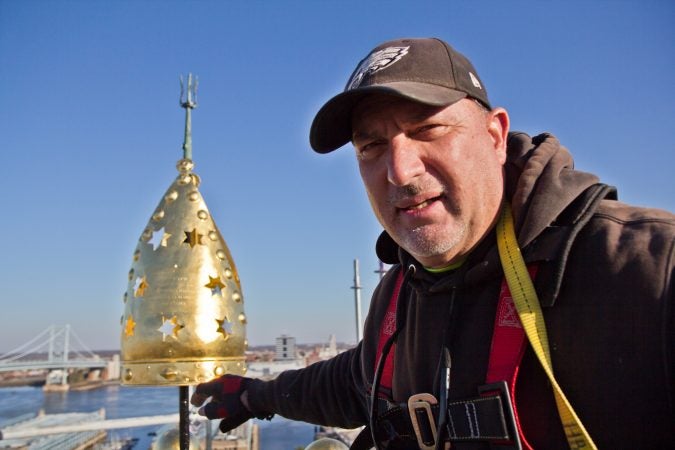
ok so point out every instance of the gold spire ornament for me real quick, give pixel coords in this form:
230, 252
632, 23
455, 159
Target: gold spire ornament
183, 321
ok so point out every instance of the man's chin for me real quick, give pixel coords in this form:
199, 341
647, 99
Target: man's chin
424, 243
424, 250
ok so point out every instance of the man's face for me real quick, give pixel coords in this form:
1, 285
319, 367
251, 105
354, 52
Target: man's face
433, 174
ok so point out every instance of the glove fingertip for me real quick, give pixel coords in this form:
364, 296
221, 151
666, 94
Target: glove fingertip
213, 410
205, 389
231, 423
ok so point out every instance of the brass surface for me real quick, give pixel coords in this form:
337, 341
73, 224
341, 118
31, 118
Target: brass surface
184, 320
327, 444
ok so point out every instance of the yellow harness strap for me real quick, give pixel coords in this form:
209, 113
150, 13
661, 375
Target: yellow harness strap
529, 311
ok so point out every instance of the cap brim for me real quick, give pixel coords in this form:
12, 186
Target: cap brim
332, 125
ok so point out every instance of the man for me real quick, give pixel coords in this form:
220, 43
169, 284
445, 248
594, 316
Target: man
442, 171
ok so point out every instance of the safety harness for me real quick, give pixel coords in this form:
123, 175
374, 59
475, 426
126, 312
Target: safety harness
492, 415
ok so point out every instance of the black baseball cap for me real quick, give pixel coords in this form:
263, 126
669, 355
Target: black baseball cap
425, 70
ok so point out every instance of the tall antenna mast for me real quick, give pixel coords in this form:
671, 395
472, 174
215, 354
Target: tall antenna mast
188, 100
381, 270
357, 300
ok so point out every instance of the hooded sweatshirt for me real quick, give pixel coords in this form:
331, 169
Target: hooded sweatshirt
604, 280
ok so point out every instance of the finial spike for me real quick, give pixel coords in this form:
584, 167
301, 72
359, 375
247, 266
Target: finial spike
188, 100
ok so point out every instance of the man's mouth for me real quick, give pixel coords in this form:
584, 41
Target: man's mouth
421, 205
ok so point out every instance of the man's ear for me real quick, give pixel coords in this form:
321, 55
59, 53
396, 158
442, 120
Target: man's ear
498, 127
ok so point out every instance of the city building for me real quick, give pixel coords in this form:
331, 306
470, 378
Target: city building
285, 348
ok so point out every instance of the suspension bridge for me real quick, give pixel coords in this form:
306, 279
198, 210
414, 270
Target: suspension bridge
60, 350
57, 348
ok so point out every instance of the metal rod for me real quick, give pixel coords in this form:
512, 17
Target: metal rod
184, 417
188, 100
208, 440
357, 300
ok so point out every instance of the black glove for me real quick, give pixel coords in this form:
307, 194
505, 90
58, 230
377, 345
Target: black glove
226, 401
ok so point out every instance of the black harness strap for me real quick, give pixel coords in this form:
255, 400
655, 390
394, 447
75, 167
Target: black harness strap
486, 418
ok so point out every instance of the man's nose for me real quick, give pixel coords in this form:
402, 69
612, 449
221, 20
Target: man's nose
404, 163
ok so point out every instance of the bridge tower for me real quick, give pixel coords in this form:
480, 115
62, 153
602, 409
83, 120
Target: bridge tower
59, 349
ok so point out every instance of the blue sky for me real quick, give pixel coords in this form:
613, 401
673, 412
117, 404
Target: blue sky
91, 130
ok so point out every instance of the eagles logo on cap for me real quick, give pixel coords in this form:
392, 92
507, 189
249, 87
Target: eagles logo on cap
375, 62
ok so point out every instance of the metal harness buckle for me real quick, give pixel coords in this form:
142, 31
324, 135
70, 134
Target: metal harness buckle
422, 418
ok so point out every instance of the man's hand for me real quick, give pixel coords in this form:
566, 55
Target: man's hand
226, 401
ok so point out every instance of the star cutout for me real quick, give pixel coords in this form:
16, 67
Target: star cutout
215, 285
193, 238
140, 286
170, 327
224, 327
159, 238
129, 326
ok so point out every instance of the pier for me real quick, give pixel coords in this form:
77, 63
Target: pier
24, 432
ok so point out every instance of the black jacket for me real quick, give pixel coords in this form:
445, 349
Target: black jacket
604, 283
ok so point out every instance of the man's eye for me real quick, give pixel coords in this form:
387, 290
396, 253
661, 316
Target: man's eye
428, 129
369, 149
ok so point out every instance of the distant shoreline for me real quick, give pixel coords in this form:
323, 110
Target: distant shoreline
39, 381
35, 380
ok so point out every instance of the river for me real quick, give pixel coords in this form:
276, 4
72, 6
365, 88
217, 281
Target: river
123, 401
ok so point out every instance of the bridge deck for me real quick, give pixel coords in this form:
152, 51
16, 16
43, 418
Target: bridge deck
44, 364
